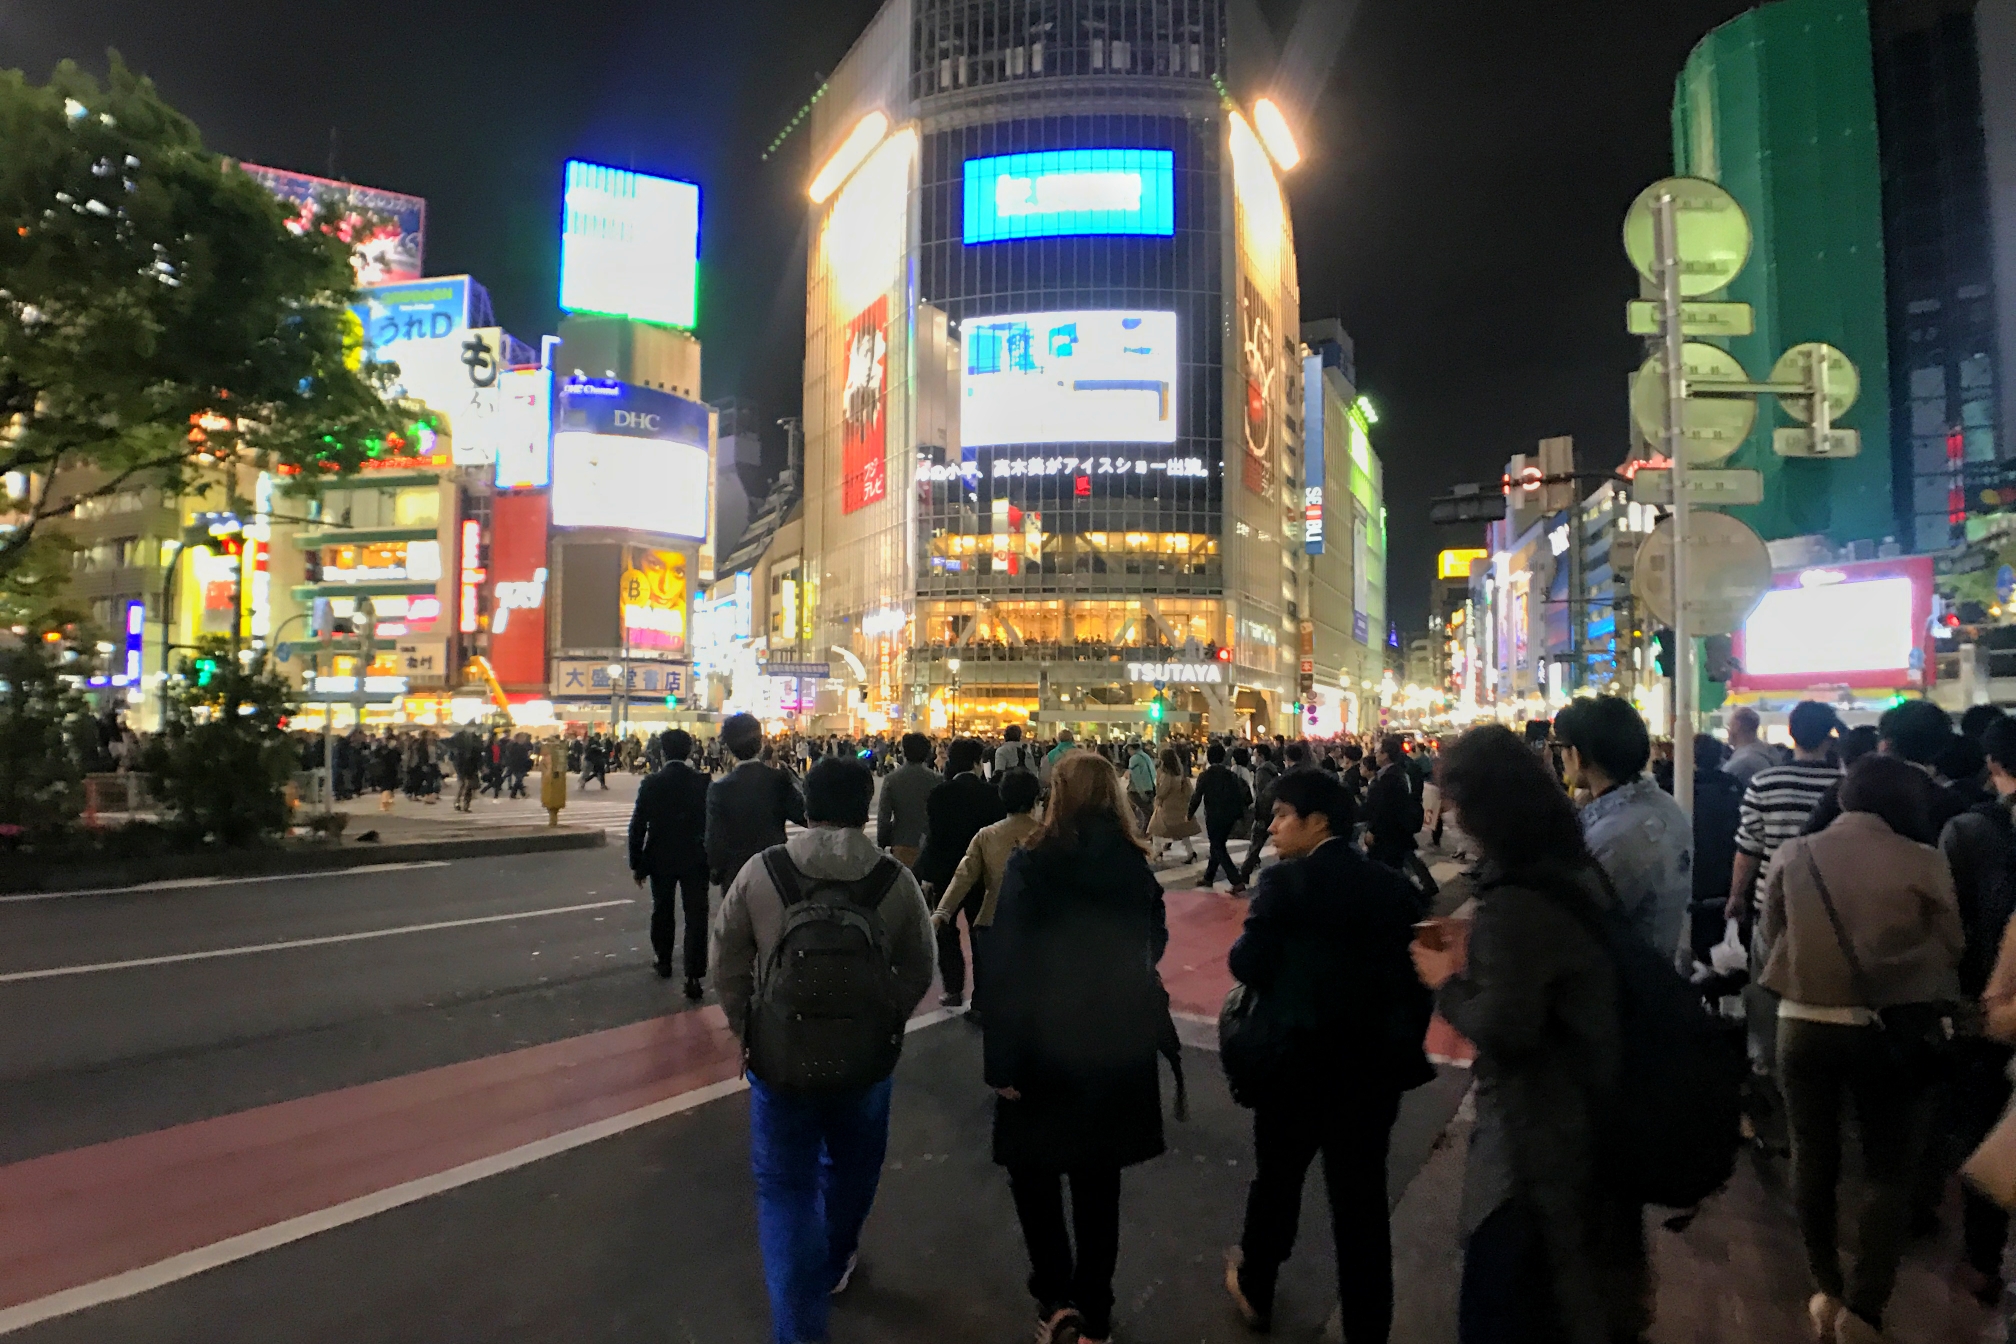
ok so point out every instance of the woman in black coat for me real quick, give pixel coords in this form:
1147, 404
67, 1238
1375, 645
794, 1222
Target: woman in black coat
1072, 1037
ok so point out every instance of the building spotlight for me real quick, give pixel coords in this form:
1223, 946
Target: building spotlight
853, 151
1274, 133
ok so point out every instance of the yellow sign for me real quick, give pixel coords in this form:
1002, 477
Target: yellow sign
1456, 564
654, 599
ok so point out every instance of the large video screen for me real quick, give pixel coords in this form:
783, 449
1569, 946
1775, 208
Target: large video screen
631, 245
646, 485
1103, 376
1071, 191
1833, 629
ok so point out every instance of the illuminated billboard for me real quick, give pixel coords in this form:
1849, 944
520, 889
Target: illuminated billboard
630, 457
1070, 191
411, 311
525, 429
630, 245
864, 468
1860, 626
385, 229
654, 600
1076, 377
1456, 564
518, 567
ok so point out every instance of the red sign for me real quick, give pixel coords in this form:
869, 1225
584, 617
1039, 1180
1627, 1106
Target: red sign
1863, 626
518, 613
864, 471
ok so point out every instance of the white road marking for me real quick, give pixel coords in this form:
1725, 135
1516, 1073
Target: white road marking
184, 883
92, 968
190, 1263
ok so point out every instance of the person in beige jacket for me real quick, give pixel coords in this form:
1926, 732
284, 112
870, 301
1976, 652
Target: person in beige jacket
1898, 914
985, 863
1171, 820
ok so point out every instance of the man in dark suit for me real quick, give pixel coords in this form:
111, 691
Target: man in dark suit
1392, 810
1326, 948
748, 806
955, 811
668, 845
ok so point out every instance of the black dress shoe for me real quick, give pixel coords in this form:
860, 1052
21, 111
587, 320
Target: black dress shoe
693, 990
664, 968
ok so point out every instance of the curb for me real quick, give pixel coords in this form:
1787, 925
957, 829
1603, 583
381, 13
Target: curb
24, 879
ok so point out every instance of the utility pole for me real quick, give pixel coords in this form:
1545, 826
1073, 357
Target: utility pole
1666, 216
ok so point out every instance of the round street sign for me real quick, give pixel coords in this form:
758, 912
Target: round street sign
1711, 427
283, 653
1844, 381
1728, 573
1714, 234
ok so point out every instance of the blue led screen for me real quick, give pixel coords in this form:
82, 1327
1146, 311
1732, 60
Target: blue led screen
1062, 192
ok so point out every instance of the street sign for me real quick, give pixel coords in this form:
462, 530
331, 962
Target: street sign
1470, 504
283, 653
1711, 427
807, 671
1641, 318
1800, 443
1711, 487
1844, 382
1728, 573
1714, 234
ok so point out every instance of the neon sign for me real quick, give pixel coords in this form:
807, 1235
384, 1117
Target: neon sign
1059, 193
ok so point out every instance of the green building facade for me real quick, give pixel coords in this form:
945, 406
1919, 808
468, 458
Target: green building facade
1779, 106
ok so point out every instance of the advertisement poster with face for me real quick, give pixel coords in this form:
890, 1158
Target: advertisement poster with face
864, 419
654, 600
1260, 350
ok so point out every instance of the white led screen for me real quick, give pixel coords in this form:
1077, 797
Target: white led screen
1076, 377
646, 485
1833, 628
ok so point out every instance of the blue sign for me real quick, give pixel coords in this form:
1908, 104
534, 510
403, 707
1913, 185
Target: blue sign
1071, 191
283, 653
2005, 583
602, 406
412, 310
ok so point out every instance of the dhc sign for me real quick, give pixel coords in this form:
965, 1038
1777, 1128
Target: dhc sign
1058, 193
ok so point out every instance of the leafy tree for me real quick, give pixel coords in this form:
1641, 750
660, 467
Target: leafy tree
45, 723
157, 318
221, 768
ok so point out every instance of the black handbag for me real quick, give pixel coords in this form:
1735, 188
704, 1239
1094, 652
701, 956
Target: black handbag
1918, 1037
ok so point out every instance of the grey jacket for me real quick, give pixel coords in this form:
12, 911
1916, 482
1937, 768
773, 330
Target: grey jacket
746, 812
752, 915
901, 815
1646, 845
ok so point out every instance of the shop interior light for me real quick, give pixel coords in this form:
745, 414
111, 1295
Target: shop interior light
1274, 133
853, 152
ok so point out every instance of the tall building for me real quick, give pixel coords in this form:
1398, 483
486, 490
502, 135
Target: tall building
1343, 540
1779, 106
1053, 381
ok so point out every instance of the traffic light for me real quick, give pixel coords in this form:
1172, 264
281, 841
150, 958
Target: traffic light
206, 671
1155, 709
1664, 651
1718, 658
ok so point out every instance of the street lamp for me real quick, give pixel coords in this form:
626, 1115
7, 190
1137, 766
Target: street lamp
616, 689
952, 665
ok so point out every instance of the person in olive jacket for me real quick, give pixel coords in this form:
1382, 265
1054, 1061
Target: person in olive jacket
1074, 1023
1325, 949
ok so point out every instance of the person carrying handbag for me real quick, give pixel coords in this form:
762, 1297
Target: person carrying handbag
1866, 939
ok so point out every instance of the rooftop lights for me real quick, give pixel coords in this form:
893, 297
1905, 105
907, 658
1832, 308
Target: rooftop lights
853, 151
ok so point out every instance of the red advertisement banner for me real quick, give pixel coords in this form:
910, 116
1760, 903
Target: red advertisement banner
864, 425
518, 569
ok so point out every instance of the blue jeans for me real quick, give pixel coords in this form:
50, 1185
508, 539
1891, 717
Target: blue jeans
817, 1164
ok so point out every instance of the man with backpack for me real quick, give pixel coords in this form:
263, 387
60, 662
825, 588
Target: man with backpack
822, 949
1014, 753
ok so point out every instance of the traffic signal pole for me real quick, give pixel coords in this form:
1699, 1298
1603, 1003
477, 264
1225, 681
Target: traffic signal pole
1666, 217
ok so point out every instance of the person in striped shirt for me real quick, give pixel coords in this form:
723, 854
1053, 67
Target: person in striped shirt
1781, 797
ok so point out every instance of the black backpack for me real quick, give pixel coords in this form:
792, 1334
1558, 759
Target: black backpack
1672, 1130
825, 1017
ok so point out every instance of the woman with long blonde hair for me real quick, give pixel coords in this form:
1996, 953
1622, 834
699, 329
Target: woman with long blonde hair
1074, 1025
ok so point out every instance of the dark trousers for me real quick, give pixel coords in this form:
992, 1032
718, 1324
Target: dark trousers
1252, 863
690, 886
1821, 1065
1980, 1093
1352, 1131
951, 958
1057, 1278
1507, 1295
1218, 835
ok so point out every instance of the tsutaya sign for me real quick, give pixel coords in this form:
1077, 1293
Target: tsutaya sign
1202, 673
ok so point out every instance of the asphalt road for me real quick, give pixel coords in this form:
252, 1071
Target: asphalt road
98, 1050
650, 1236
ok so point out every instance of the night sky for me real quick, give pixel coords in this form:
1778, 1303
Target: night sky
1458, 205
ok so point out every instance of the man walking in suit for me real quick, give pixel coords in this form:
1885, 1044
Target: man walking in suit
668, 845
748, 806
956, 810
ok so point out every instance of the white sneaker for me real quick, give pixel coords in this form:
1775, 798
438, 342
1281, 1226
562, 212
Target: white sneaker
846, 1275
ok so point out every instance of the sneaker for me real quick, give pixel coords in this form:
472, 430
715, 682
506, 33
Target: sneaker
846, 1275
1256, 1320
1059, 1327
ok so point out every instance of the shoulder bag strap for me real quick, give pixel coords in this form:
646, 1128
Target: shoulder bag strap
869, 889
1855, 972
783, 875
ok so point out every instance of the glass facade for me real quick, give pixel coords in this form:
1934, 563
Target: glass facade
963, 44
1078, 517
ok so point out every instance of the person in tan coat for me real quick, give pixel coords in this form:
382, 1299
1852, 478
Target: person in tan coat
1171, 818
984, 864
1898, 942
